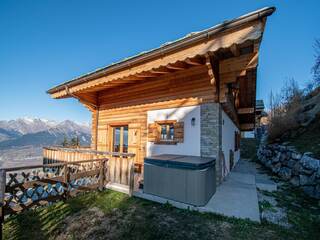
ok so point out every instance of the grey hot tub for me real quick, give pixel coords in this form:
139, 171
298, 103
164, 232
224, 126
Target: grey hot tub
187, 179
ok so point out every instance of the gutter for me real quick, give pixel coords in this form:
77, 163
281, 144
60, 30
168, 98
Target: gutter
182, 43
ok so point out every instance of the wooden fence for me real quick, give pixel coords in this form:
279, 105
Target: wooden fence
65, 173
118, 165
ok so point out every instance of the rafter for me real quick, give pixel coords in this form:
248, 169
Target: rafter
194, 61
177, 66
210, 70
245, 110
235, 50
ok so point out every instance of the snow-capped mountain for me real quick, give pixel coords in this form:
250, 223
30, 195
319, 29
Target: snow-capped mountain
41, 132
28, 125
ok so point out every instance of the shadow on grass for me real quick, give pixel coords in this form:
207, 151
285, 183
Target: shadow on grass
121, 217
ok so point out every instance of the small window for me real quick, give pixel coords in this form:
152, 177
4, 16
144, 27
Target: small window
167, 132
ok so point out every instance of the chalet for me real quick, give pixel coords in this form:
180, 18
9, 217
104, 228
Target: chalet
190, 97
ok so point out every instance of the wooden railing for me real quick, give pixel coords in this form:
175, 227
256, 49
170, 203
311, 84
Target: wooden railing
118, 165
65, 172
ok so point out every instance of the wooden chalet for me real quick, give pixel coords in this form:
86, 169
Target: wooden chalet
191, 97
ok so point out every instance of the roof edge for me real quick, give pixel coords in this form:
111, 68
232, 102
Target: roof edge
163, 49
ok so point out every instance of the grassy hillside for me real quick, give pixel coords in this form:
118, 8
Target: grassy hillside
308, 140
112, 215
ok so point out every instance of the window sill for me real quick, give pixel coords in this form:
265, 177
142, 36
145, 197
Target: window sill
164, 142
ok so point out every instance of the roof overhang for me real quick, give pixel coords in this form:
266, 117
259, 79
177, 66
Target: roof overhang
188, 50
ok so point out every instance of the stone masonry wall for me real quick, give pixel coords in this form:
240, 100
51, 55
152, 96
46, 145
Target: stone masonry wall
210, 141
301, 170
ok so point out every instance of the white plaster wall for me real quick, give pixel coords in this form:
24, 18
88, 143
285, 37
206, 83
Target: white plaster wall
228, 141
191, 143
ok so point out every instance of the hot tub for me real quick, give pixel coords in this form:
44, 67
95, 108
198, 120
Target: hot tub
187, 179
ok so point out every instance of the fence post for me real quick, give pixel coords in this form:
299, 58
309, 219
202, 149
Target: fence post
102, 174
2, 193
66, 179
131, 177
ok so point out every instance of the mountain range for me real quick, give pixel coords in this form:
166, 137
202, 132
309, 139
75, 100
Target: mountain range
41, 132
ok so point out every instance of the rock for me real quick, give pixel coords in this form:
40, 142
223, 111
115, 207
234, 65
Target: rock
296, 170
306, 171
276, 158
276, 168
310, 162
296, 156
316, 193
283, 157
304, 180
291, 163
309, 190
285, 173
295, 181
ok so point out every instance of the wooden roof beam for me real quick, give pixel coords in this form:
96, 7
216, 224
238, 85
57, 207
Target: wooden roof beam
146, 75
210, 70
246, 126
177, 66
197, 61
245, 110
235, 50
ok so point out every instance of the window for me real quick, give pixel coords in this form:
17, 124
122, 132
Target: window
120, 139
166, 132
237, 137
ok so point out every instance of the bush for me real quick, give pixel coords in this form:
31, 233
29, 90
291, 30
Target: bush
284, 108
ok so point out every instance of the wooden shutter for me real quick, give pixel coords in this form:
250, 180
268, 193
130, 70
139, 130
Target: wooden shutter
153, 132
178, 131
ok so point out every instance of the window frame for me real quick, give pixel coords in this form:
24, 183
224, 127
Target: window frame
168, 140
121, 142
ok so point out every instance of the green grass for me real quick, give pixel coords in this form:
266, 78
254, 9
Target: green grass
309, 140
117, 216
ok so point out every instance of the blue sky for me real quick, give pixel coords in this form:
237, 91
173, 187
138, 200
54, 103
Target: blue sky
44, 43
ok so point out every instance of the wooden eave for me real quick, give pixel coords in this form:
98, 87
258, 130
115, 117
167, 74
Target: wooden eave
169, 58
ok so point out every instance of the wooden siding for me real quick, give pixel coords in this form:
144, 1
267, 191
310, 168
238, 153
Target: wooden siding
129, 105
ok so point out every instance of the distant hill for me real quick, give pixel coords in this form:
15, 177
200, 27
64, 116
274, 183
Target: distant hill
40, 132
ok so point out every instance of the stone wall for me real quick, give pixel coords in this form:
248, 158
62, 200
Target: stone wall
301, 170
210, 138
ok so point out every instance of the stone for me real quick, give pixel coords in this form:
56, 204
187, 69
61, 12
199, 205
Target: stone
276, 168
296, 156
309, 190
283, 157
310, 162
285, 173
296, 170
295, 181
318, 173
316, 193
291, 163
276, 158
304, 180
306, 171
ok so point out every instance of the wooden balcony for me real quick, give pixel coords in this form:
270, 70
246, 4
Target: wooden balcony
120, 166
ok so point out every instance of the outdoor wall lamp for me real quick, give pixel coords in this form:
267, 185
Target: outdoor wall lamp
193, 121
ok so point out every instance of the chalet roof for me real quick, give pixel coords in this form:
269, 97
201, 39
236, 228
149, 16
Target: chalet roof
168, 48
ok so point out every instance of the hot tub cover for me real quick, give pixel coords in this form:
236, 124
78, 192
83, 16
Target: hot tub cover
180, 161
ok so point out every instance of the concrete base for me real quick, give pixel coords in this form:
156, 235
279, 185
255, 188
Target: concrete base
235, 197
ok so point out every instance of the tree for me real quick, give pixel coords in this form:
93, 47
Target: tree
65, 142
316, 67
75, 142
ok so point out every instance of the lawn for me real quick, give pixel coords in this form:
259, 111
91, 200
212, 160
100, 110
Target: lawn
112, 215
